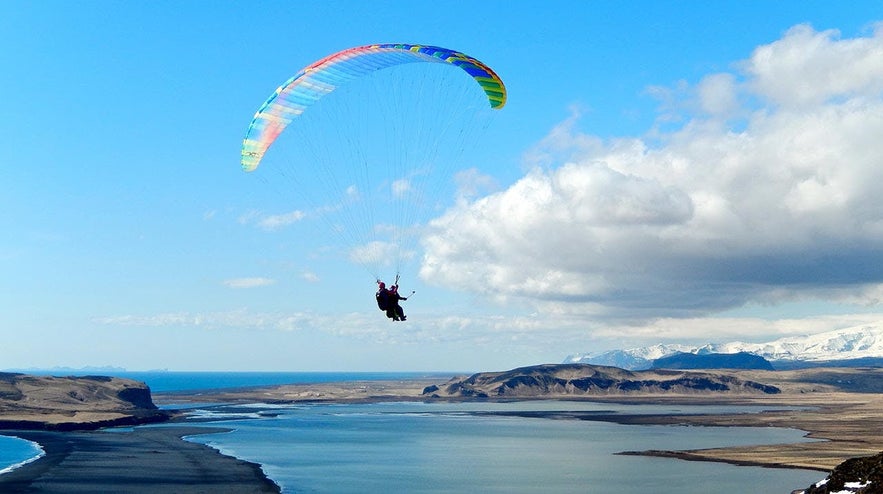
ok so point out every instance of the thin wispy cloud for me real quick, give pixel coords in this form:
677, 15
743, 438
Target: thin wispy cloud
254, 282
400, 187
277, 221
530, 333
271, 222
233, 319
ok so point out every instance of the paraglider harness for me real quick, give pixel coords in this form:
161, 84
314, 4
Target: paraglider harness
382, 297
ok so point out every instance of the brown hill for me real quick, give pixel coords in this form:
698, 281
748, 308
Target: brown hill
70, 403
549, 381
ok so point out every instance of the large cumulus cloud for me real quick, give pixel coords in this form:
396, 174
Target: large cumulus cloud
768, 188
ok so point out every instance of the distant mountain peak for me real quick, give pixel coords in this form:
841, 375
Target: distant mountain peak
858, 342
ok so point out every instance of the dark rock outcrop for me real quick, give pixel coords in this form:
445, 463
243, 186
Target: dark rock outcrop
139, 397
860, 475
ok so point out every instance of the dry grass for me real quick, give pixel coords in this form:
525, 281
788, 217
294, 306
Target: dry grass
847, 425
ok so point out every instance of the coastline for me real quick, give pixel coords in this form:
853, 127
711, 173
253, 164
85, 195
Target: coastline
150, 459
145, 460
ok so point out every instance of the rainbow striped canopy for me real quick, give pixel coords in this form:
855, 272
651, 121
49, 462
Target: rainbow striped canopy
293, 97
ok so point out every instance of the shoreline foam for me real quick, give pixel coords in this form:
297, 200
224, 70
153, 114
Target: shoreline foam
40, 453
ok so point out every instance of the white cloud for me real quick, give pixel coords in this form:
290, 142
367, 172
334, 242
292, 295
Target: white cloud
471, 183
352, 193
726, 329
236, 319
807, 67
274, 222
248, 282
271, 222
310, 277
768, 187
373, 253
400, 187
718, 95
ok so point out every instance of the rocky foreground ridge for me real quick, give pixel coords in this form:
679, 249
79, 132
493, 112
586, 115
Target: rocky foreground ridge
567, 380
862, 475
74, 403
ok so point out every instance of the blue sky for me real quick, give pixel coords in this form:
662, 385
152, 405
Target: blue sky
663, 172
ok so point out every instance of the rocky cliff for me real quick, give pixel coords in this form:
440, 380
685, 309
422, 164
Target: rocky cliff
70, 403
549, 381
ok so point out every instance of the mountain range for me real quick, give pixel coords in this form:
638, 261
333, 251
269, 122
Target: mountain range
856, 345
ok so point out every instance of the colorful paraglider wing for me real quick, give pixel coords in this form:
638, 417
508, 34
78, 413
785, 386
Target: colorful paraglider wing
312, 83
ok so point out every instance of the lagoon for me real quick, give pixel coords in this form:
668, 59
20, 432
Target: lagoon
441, 448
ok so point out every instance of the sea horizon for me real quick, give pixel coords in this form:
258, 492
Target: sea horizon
170, 381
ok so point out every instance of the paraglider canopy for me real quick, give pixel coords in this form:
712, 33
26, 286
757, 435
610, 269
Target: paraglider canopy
369, 137
293, 97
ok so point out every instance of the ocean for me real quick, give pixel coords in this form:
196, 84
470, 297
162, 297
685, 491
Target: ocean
166, 381
465, 447
15, 452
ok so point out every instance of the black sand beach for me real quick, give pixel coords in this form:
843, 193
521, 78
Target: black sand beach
147, 460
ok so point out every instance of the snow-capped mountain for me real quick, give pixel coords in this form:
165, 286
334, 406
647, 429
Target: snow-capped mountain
842, 344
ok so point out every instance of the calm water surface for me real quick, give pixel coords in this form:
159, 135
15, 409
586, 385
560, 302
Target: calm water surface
439, 448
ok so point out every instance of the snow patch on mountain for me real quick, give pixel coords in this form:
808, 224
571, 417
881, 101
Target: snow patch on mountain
843, 344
